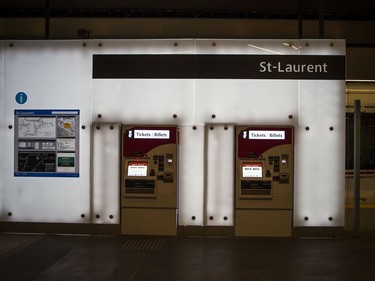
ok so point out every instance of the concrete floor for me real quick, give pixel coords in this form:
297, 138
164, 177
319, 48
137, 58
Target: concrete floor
123, 258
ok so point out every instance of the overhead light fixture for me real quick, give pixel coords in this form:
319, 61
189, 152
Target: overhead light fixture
264, 49
291, 46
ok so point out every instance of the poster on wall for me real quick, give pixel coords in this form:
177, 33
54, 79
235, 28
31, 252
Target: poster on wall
46, 143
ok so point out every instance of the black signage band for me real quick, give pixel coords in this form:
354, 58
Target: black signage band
219, 67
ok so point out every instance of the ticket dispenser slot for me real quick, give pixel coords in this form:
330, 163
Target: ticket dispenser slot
264, 181
149, 184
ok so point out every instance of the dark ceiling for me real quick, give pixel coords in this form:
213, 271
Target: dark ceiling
331, 9
351, 20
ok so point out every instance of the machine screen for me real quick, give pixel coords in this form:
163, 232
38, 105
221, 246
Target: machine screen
137, 169
252, 170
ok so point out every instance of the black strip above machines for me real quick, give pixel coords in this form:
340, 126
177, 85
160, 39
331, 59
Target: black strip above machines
157, 66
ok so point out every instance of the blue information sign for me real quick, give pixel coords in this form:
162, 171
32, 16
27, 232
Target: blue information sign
21, 98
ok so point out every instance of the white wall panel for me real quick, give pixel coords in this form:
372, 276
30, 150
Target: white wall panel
322, 47
320, 151
54, 75
247, 47
246, 101
143, 101
2, 128
243, 102
320, 155
106, 173
220, 172
58, 75
144, 46
191, 175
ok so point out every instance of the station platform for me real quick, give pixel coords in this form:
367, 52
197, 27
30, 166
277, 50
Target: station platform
122, 258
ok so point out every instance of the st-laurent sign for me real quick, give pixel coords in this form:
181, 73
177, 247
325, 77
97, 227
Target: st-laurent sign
313, 67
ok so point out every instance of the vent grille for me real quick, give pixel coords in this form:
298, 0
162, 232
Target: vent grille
143, 245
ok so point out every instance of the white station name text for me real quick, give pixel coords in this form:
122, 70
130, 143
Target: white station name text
292, 68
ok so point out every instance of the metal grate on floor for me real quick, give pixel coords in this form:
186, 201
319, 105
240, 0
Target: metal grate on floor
143, 245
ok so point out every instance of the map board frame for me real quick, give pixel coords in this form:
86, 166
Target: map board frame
46, 143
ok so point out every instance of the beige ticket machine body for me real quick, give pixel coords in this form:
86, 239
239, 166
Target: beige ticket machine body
149, 180
264, 181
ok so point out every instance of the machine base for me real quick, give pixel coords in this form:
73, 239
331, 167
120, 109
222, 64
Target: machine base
147, 221
264, 223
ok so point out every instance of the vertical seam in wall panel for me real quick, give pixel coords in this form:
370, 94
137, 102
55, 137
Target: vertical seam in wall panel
299, 102
2, 94
91, 180
205, 177
195, 88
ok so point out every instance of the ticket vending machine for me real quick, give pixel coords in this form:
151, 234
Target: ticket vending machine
149, 180
264, 181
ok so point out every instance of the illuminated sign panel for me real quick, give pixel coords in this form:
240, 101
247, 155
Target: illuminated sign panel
266, 135
137, 169
306, 67
46, 143
252, 170
151, 134
317, 100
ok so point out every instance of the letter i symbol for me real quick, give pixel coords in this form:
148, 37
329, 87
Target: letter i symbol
21, 98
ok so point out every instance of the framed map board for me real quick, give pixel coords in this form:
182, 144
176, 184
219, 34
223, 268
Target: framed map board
46, 143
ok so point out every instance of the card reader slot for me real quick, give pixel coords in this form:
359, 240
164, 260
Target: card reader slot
140, 186
255, 187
